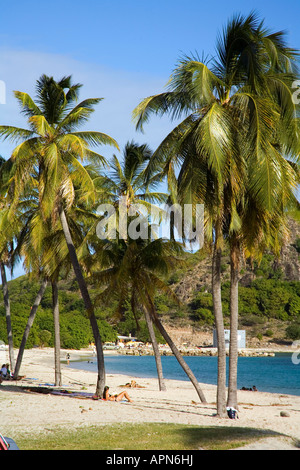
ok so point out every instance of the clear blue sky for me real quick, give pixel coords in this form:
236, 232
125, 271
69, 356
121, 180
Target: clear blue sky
121, 50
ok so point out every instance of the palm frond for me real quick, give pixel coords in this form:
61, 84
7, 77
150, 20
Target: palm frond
29, 108
79, 115
96, 138
15, 133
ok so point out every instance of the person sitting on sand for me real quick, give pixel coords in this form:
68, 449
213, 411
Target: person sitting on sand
3, 371
117, 397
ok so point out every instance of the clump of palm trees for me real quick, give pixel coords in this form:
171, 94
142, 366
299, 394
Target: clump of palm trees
235, 151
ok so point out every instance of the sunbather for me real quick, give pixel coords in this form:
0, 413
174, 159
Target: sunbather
117, 397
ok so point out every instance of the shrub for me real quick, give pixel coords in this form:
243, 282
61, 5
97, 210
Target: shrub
204, 316
44, 337
269, 333
293, 331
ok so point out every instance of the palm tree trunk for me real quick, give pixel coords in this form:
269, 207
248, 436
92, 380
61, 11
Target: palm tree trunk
8, 317
179, 358
234, 314
87, 302
219, 323
55, 308
28, 327
161, 382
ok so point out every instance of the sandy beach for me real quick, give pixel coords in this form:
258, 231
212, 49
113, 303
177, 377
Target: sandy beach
26, 411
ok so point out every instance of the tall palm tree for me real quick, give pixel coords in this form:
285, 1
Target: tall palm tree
268, 144
49, 155
230, 110
125, 185
9, 232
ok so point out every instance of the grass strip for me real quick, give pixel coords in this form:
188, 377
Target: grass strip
148, 436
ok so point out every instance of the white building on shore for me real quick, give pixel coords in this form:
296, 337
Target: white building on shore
241, 339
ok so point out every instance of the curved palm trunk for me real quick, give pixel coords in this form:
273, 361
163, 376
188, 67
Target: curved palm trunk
87, 302
180, 359
8, 317
219, 323
234, 314
161, 382
28, 327
55, 309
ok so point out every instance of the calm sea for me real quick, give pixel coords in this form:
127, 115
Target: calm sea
276, 374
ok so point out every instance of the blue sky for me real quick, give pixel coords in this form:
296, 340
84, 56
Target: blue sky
121, 50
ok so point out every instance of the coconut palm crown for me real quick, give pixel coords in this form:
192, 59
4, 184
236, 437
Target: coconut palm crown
52, 150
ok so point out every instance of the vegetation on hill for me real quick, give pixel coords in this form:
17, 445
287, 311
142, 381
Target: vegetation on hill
74, 325
269, 297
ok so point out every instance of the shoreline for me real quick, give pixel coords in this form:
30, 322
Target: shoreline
89, 363
24, 412
205, 351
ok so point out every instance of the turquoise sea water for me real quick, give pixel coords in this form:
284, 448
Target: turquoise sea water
269, 374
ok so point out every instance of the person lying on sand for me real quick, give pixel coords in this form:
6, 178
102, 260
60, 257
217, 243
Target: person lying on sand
253, 389
117, 397
132, 384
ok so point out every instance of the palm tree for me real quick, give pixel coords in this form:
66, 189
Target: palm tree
36, 239
230, 120
125, 185
111, 277
268, 144
9, 233
42, 246
48, 156
133, 269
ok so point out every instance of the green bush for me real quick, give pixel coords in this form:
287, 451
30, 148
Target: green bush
293, 331
204, 316
269, 333
45, 337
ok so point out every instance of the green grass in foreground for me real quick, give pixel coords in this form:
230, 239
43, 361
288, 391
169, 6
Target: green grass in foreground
148, 436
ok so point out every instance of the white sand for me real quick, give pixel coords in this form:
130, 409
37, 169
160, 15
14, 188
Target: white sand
23, 412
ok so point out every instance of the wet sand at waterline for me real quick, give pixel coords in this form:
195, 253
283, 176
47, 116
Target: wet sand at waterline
27, 411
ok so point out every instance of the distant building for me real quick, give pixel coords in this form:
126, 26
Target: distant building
241, 339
